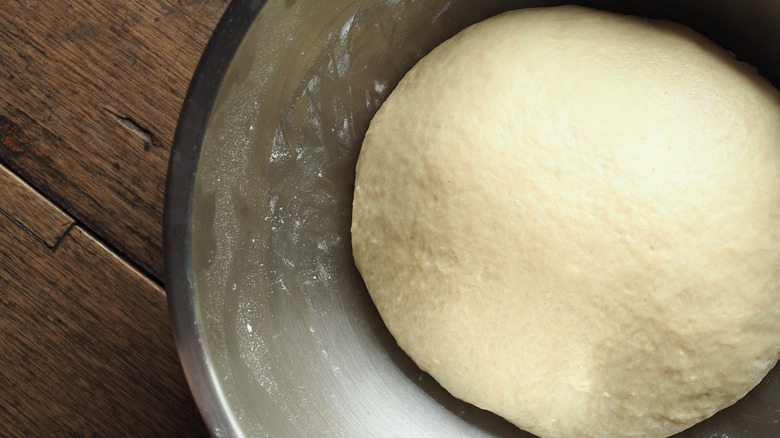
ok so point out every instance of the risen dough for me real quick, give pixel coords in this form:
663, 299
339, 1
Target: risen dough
572, 218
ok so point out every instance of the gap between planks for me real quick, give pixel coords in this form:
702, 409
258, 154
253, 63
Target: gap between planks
41, 218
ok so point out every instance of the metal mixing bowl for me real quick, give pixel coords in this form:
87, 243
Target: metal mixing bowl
276, 332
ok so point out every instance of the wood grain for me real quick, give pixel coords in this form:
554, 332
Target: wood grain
30, 210
90, 94
86, 346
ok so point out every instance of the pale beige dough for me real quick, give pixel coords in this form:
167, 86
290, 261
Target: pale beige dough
572, 219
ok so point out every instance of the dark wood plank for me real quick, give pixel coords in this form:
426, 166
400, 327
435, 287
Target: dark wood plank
30, 210
86, 348
89, 96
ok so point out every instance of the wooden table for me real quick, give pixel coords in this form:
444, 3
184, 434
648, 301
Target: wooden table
90, 92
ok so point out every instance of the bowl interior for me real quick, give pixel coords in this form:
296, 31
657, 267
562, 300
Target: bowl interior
289, 341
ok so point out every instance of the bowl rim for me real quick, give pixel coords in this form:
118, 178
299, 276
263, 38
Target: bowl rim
178, 208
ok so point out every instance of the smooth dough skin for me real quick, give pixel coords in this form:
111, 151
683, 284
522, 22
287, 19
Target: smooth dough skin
571, 218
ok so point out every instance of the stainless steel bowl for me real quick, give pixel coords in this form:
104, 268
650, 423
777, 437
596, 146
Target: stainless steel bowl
276, 332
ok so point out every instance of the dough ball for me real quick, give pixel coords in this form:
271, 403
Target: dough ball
571, 218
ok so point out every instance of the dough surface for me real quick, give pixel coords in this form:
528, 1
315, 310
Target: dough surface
571, 218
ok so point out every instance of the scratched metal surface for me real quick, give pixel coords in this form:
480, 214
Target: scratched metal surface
291, 341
